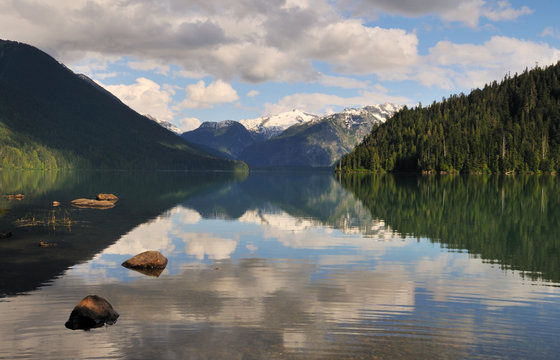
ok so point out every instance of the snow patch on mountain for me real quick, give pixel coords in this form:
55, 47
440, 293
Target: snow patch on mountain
270, 126
379, 113
216, 124
166, 124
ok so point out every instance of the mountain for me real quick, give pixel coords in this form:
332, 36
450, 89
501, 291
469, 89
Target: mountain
507, 127
317, 143
266, 127
165, 124
228, 137
290, 139
53, 118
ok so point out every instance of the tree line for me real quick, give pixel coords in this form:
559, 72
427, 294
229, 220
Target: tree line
507, 127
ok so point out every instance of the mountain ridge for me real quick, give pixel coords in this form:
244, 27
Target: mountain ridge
266, 127
306, 140
51, 117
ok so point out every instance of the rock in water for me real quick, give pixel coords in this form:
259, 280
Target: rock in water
107, 197
46, 244
92, 312
17, 197
5, 235
90, 203
149, 263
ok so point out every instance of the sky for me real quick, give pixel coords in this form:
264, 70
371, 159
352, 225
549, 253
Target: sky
190, 61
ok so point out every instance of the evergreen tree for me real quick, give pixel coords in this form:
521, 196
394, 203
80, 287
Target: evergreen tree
507, 127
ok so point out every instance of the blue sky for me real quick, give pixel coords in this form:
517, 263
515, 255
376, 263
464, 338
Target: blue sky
212, 60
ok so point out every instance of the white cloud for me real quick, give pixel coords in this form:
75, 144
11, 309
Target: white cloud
200, 96
150, 65
322, 103
255, 41
550, 31
106, 75
146, 97
451, 65
188, 124
352, 48
342, 82
253, 93
504, 11
468, 12
93, 62
189, 74
242, 39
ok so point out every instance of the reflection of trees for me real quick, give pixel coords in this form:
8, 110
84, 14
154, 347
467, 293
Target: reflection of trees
31, 181
510, 220
314, 197
143, 196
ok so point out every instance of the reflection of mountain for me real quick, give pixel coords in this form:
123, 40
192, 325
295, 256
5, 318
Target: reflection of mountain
142, 196
513, 221
316, 197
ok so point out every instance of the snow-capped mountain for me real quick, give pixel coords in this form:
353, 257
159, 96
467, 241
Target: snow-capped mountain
267, 127
306, 140
319, 142
217, 124
166, 124
377, 113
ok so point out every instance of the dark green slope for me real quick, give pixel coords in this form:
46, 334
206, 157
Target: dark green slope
507, 127
228, 137
53, 118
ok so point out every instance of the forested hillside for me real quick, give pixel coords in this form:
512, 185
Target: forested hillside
52, 118
506, 127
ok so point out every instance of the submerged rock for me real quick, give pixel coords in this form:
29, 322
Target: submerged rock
108, 197
17, 197
150, 263
5, 235
46, 244
92, 312
91, 203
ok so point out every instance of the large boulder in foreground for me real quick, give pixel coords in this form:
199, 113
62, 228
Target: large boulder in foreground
91, 203
92, 312
150, 263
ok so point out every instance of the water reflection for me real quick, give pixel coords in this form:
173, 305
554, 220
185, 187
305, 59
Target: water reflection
298, 266
80, 233
511, 221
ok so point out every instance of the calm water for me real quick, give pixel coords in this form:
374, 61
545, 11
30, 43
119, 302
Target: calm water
284, 266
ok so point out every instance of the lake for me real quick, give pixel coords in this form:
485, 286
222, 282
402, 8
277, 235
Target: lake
283, 265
